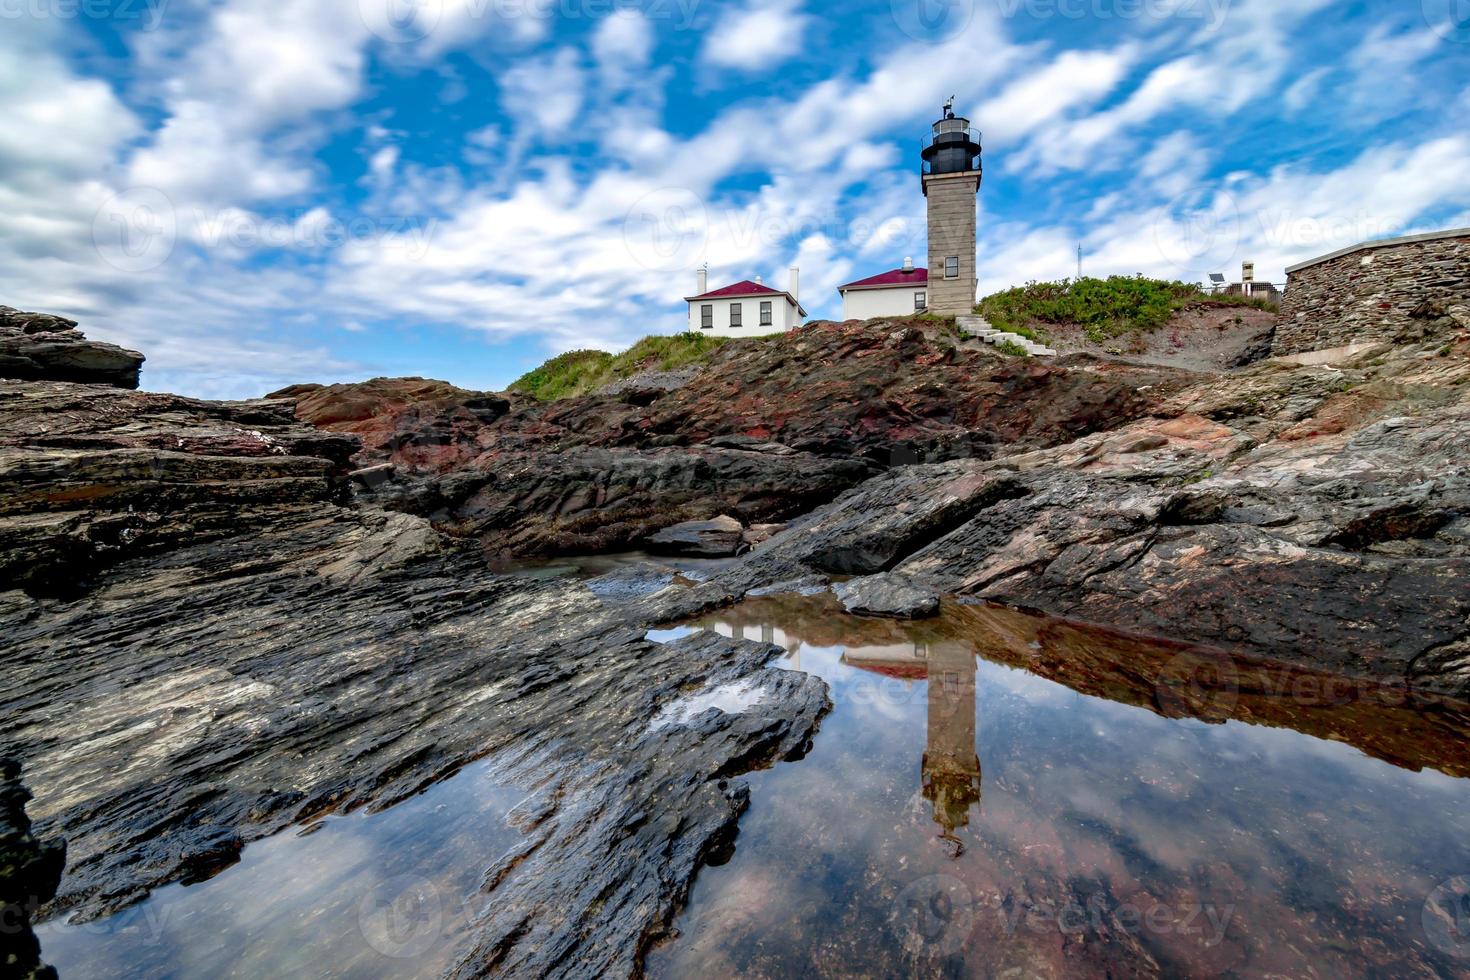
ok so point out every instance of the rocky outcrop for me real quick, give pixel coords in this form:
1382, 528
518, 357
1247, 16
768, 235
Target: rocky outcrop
330, 658
769, 429
91, 475
30, 871
888, 596
1312, 515
386, 413
590, 500
720, 538
208, 642
204, 646
39, 346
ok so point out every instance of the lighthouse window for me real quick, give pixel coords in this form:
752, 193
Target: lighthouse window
735, 315
921, 300
707, 316
952, 267
765, 313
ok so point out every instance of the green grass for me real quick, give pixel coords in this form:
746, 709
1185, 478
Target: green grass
1011, 348
1105, 308
581, 371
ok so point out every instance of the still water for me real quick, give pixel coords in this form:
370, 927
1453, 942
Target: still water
992, 794
997, 794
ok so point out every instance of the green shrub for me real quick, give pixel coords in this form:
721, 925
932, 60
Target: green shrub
581, 371
1104, 308
1011, 348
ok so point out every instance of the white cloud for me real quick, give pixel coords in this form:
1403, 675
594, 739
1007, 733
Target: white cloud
1073, 80
545, 91
1306, 88
757, 36
623, 38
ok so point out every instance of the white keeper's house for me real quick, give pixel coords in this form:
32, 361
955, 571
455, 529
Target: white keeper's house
898, 292
745, 309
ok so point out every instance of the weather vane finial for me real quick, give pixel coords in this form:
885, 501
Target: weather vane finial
949, 108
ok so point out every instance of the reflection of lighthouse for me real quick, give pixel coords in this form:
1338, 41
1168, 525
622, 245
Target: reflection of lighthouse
951, 765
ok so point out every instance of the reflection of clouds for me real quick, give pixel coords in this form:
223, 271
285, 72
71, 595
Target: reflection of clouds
293, 901
1315, 846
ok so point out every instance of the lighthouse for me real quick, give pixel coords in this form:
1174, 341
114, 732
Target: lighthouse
951, 174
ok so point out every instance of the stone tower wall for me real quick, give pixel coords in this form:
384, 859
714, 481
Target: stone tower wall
952, 232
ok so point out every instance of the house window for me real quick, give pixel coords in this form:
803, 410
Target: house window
765, 313
735, 315
707, 316
921, 300
952, 267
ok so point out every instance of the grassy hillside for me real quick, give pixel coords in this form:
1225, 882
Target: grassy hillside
1105, 308
581, 371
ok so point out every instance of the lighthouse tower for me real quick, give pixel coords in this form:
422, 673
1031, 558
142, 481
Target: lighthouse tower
951, 174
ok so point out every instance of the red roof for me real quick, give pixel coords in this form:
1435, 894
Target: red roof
747, 288
742, 288
895, 277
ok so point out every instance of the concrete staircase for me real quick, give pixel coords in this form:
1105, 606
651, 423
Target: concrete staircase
978, 326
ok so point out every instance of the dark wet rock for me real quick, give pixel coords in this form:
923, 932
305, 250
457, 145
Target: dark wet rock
806, 586
588, 501
626, 584
1257, 348
598, 880
890, 596
1338, 547
334, 660
39, 346
91, 475
204, 647
768, 430
30, 871
719, 538
758, 534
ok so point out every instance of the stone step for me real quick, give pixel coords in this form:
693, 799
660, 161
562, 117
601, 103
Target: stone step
982, 329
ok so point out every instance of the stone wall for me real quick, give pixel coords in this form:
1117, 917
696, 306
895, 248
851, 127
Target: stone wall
952, 232
1368, 292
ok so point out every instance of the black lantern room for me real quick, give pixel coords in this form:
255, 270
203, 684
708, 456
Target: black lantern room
953, 148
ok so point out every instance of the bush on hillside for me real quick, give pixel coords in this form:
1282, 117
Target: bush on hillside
1105, 308
581, 371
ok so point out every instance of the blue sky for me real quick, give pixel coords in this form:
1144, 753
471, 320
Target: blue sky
259, 192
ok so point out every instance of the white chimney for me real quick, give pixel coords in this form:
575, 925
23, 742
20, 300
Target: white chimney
795, 284
908, 263
701, 281
759, 281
